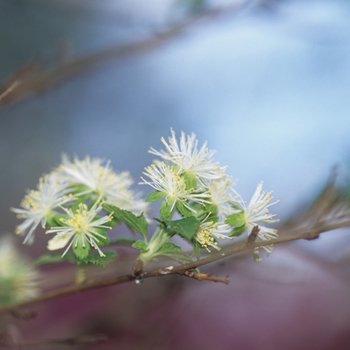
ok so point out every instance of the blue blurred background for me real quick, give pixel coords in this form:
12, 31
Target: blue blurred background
266, 85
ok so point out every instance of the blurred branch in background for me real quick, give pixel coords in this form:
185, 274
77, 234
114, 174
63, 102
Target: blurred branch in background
35, 77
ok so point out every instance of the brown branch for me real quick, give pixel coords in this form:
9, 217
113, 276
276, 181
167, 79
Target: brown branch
30, 79
186, 269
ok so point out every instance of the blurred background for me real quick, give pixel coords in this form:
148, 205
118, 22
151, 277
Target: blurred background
265, 83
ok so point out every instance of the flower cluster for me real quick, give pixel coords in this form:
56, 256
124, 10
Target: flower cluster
189, 184
83, 198
249, 216
68, 202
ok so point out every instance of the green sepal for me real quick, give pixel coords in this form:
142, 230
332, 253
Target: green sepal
155, 196
183, 210
236, 219
137, 223
80, 251
165, 208
190, 180
140, 245
237, 231
186, 227
175, 252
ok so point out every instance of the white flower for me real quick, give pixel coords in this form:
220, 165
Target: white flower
166, 180
189, 158
209, 232
257, 211
221, 196
80, 229
100, 179
37, 205
18, 279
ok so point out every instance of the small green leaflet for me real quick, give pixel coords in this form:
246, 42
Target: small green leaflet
237, 231
183, 210
175, 252
134, 222
140, 245
165, 208
155, 196
236, 219
186, 227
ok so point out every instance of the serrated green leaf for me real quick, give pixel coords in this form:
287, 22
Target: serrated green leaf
237, 231
175, 252
134, 222
236, 219
186, 227
165, 208
96, 259
140, 245
155, 196
183, 210
190, 180
81, 251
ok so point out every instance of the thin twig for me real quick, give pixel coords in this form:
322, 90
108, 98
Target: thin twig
186, 269
38, 81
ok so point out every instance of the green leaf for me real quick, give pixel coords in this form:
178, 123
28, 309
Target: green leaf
123, 241
101, 240
236, 219
186, 227
183, 210
81, 251
190, 180
175, 252
196, 250
155, 196
134, 222
54, 219
237, 231
165, 208
96, 259
140, 245
54, 258
211, 208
